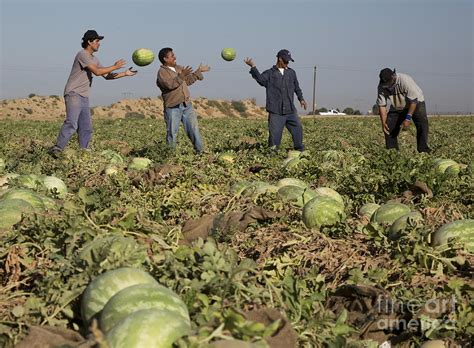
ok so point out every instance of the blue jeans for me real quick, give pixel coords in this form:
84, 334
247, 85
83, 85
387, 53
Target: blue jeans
185, 114
78, 119
276, 124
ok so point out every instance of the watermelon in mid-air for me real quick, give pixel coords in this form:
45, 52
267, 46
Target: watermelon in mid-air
143, 56
228, 54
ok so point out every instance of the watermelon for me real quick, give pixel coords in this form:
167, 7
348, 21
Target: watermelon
150, 328
112, 157
228, 54
258, 188
462, 229
295, 194
329, 192
106, 285
389, 212
400, 224
240, 187
111, 169
290, 163
29, 181
29, 196
294, 154
322, 210
55, 185
453, 169
139, 163
138, 297
443, 164
11, 212
368, 209
226, 157
143, 56
292, 182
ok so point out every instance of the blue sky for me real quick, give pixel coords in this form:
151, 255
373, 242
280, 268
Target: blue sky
348, 41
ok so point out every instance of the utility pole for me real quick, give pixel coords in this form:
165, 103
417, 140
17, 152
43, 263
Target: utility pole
314, 91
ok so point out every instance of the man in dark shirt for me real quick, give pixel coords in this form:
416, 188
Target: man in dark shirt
281, 84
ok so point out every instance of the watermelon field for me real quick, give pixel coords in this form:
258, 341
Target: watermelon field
134, 245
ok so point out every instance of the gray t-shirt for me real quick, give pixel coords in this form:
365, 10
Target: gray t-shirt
402, 93
80, 78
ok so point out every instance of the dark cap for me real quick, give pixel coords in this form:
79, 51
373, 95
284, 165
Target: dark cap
285, 55
91, 35
386, 75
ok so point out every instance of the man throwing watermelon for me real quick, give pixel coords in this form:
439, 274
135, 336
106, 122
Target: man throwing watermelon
281, 84
77, 90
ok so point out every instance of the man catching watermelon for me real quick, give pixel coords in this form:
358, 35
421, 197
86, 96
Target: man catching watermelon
77, 90
173, 81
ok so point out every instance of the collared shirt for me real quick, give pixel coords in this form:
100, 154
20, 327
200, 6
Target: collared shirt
174, 88
280, 89
403, 92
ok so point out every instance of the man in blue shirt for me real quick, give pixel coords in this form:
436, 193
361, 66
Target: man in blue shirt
281, 85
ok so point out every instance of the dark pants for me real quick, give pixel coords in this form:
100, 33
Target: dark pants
419, 118
276, 124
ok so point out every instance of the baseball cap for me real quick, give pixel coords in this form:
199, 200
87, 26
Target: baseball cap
386, 75
91, 35
285, 55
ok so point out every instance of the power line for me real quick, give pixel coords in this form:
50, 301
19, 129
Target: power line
463, 75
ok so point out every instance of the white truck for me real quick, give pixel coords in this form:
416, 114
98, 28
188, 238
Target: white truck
332, 112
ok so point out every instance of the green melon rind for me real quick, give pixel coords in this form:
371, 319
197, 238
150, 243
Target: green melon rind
389, 212
106, 285
139, 297
150, 328
322, 211
400, 224
464, 229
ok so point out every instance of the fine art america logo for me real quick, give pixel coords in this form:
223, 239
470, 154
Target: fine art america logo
415, 315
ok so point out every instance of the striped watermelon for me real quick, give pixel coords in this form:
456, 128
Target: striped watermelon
443, 164
11, 212
291, 181
148, 328
368, 209
329, 192
389, 212
138, 297
102, 288
322, 211
400, 224
143, 56
26, 195
462, 229
295, 194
